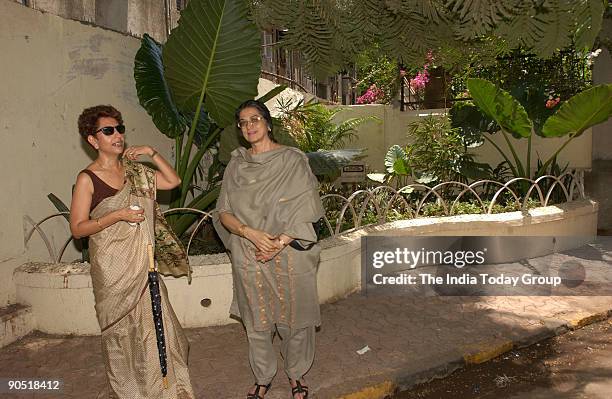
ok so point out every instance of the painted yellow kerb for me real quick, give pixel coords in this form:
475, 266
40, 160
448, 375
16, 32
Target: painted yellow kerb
580, 322
488, 352
378, 391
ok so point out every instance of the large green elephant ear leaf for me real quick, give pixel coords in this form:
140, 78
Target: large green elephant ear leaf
272, 93
582, 111
153, 91
203, 127
230, 140
396, 161
533, 98
500, 106
471, 122
213, 56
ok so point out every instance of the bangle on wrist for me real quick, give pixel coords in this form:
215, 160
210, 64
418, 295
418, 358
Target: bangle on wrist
154, 153
241, 230
99, 224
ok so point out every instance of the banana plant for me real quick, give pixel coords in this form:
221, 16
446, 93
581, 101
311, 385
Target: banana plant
192, 84
572, 119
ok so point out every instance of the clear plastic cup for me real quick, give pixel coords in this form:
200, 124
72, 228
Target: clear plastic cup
134, 208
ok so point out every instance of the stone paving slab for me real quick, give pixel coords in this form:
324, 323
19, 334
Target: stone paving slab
411, 339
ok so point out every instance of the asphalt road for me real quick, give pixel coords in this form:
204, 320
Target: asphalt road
577, 364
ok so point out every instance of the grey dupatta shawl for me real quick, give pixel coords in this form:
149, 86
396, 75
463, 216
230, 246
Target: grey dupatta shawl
275, 192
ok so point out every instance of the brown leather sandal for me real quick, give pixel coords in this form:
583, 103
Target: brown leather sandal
255, 395
299, 388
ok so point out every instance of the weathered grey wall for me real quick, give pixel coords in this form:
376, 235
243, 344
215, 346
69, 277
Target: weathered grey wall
135, 17
393, 129
83, 10
112, 14
602, 73
599, 181
598, 186
52, 68
147, 16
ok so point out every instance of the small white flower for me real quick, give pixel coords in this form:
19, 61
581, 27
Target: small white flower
592, 55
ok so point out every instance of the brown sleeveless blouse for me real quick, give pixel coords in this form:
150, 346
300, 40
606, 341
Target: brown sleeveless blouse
101, 189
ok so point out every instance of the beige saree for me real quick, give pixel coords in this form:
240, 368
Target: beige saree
275, 192
119, 272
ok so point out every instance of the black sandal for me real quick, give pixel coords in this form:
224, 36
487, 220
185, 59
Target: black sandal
255, 395
299, 388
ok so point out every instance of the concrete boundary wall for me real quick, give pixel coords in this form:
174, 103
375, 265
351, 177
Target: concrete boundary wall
392, 128
52, 68
62, 300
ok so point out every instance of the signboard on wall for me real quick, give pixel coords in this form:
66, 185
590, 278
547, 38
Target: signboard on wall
355, 172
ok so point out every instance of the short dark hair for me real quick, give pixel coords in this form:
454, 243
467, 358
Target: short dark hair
88, 120
263, 110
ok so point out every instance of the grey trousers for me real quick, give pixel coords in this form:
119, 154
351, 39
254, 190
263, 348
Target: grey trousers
297, 350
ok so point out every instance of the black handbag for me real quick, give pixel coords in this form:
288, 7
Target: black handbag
318, 228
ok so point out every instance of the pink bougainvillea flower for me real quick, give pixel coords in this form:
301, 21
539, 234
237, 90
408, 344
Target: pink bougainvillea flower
422, 77
552, 103
371, 95
420, 80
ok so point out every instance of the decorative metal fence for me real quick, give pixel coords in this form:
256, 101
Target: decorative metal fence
412, 199
385, 203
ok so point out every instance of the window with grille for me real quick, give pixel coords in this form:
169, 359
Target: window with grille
268, 40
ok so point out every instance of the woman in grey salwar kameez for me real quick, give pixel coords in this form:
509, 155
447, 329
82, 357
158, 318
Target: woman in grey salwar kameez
269, 198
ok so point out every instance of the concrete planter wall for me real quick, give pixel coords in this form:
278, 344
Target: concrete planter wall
62, 300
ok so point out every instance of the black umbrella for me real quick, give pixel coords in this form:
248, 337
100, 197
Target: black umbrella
157, 316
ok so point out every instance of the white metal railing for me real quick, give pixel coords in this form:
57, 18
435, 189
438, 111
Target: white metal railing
346, 214
447, 195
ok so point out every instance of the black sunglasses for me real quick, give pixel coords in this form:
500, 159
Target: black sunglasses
108, 130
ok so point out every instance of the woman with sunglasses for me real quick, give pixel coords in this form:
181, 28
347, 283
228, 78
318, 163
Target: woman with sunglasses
265, 210
113, 204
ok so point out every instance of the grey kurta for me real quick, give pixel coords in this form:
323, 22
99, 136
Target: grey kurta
276, 192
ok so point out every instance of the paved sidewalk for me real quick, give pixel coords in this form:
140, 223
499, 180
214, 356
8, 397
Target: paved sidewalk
411, 339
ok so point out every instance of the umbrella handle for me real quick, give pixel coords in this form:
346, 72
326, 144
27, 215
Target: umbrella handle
151, 258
